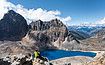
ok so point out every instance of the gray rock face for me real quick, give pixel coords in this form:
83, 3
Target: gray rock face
54, 27
40, 25
13, 26
48, 34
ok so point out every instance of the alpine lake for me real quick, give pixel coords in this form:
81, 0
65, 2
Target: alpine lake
56, 54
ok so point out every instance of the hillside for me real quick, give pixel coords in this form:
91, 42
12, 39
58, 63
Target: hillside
83, 31
79, 35
97, 41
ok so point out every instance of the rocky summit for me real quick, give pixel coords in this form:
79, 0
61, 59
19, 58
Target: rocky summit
49, 35
13, 26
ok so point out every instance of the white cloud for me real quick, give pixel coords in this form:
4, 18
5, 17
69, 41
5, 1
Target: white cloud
31, 14
65, 19
86, 23
101, 22
97, 23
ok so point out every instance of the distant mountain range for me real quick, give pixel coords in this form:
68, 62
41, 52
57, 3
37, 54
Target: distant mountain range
84, 31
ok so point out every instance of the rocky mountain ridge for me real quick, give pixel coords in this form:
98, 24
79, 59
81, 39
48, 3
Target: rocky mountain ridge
18, 37
50, 34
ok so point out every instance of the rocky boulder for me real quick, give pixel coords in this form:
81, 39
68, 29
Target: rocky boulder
17, 59
4, 62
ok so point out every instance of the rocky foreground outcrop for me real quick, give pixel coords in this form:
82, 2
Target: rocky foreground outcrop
13, 27
19, 59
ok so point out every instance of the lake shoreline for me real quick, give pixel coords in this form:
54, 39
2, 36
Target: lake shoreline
79, 59
98, 53
50, 53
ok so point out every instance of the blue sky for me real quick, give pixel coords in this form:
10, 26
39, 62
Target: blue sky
79, 10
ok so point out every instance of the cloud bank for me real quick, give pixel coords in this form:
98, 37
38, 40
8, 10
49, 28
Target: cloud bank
31, 14
101, 22
36, 14
97, 23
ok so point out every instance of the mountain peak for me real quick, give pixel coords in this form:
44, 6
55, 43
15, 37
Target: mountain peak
13, 26
11, 14
11, 11
57, 20
45, 25
39, 20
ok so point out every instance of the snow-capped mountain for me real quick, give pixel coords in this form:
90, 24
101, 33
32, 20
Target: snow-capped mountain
87, 29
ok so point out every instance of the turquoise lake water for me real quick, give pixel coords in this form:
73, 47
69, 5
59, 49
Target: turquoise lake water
56, 54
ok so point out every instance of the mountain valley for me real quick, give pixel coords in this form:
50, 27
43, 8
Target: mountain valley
17, 37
